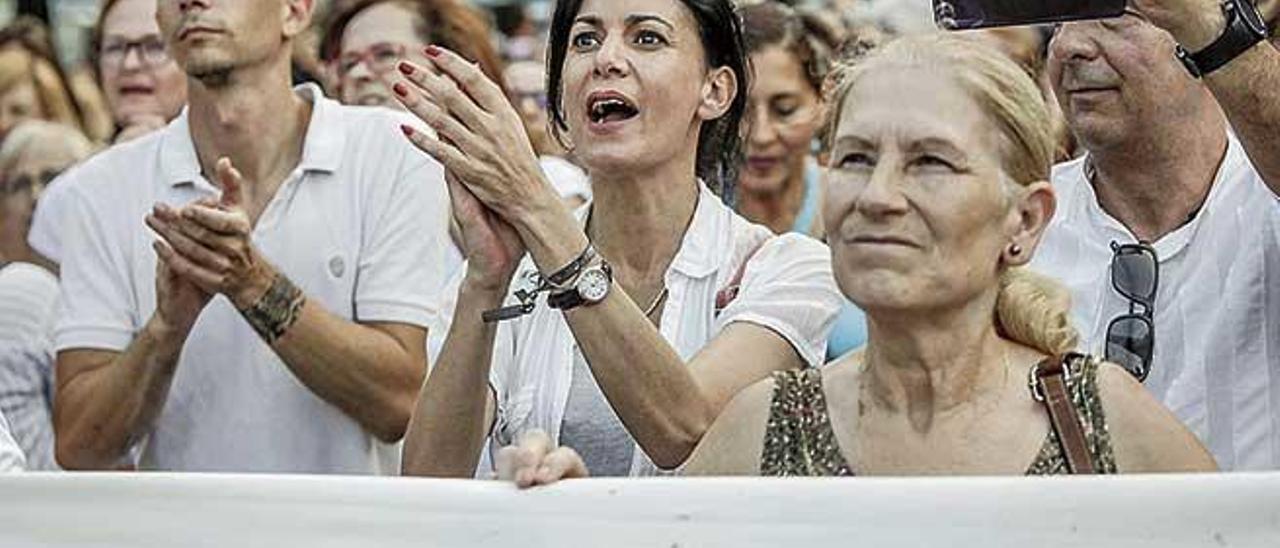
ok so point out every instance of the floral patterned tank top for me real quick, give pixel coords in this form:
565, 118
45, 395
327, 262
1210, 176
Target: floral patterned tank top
799, 440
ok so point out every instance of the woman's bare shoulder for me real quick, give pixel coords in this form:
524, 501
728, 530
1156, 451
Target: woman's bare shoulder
1145, 435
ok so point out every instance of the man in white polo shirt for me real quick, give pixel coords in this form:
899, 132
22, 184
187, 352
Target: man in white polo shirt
1197, 303
249, 288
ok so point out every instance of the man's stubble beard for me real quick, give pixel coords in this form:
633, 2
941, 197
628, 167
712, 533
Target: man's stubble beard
212, 75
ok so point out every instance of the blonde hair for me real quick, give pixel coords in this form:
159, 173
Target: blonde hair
17, 65
31, 132
1030, 309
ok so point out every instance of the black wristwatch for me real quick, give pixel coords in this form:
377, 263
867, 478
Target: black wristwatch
591, 287
1245, 29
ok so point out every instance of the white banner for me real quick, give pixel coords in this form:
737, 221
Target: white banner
154, 510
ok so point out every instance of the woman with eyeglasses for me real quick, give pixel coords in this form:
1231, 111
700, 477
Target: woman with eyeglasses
366, 38
629, 326
937, 199
145, 89
33, 153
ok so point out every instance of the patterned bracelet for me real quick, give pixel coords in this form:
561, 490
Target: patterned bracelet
277, 310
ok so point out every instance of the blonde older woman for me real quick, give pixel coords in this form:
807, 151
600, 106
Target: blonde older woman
937, 198
32, 154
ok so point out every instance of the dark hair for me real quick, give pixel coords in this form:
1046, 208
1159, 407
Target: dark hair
450, 24
810, 39
96, 37
720, 140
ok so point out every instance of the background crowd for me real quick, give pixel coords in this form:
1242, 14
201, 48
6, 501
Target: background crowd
1162, 224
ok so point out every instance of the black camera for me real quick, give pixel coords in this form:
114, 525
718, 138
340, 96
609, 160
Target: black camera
976, 14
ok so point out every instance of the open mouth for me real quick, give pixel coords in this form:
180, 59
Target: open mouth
607, 108
135, 90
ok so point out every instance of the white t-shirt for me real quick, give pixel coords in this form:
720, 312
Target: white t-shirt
1217, 309
361, 226
28, 298
11, 458
569, 180
787, 286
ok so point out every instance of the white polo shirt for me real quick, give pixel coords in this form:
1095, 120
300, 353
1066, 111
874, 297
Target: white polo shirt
1217, 309
786, 286
361, 226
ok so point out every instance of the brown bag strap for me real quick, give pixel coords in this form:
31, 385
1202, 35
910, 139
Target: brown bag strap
1049, 386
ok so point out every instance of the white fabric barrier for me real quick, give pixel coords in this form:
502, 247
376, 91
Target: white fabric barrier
146, 510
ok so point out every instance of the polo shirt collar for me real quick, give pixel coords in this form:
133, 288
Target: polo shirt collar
322, 147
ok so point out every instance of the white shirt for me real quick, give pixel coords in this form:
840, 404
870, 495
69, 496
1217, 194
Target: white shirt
787, 286
28, 297
11, 458
361, 226
568, 180
1217, 311
50, 220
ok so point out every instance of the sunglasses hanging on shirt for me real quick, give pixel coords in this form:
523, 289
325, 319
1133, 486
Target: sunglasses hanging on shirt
1131, 337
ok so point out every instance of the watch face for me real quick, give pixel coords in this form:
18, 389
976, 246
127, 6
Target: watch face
594, 285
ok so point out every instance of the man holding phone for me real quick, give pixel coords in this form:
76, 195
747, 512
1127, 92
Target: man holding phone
1168, 230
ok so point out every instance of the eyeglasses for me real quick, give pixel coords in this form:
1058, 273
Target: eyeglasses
151, 51
1135, 273
378, 58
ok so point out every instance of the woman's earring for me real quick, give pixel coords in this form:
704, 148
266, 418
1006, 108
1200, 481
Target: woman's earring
1015, 250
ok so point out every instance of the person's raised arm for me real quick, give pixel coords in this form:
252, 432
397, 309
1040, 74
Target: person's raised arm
371, 370
1245, 87
107, 401
455, 408
665, 403
112, 377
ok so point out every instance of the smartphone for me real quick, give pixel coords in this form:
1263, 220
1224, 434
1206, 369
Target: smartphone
977, 14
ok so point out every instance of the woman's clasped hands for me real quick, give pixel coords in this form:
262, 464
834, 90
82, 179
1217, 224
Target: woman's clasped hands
497, 187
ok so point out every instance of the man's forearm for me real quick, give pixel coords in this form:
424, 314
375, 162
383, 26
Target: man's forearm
106, 402
1246, 88
452, 417
362, 370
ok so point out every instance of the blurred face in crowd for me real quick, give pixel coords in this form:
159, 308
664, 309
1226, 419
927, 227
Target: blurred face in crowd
139, 78
18, 104
634, 79
373, 42
210, 39
527, 88
918, 208
783, 114
21, 185
1114, 78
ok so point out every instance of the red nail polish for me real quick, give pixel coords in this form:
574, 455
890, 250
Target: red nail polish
408, 131
433, 51
400, 89
406, 68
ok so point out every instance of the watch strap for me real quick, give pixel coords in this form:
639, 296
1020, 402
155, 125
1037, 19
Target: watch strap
565, 300
559, 278
1238, 37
